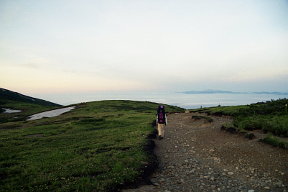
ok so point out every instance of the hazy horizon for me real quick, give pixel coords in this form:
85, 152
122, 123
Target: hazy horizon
77, 47
168, 97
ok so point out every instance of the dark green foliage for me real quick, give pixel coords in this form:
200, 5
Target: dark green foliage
275, 142
219, 111
229, 128
249, 135
7, 95
276, 124
270, 116
273, 107
206, 118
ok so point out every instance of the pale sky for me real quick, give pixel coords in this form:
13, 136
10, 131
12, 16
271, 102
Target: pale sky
59, 46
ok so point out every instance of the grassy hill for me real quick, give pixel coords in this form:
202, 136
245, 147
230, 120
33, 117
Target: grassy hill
98, 146
270, 117
8, 96
28, 105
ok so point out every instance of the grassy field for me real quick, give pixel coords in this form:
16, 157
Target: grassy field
99, 146
270, 117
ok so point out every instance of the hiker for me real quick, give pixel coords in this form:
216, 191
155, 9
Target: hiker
161, 121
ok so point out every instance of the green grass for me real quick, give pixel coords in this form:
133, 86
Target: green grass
99, 146
270, 116
275, 124
276, 142
222, 110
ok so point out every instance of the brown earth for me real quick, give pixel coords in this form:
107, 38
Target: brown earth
196, 155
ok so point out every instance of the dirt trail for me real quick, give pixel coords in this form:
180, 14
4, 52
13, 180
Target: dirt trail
197, 156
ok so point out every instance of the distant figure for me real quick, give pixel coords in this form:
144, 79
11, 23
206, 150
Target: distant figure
161, 121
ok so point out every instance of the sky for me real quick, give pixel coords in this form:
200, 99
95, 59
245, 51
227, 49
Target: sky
73, 46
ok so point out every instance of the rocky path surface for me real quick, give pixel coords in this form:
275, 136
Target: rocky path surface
196, 155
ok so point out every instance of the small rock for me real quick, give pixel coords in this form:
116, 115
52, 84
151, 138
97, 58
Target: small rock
192, 171
267, 188
230, 173
278, 184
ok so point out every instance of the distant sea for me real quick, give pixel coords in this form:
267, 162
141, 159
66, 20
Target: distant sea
185, 100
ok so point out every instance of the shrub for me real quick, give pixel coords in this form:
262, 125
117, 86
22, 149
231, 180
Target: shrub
206, 118
250, 135
229, 128
275, 142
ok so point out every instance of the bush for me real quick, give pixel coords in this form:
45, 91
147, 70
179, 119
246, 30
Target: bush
229, 128
275, 142
206, 118
276, 124
250, 135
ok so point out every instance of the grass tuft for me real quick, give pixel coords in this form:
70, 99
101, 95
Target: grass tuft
276, 142
206, 118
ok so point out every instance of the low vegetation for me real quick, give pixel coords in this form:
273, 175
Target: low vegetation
270, 117
99, 146
272, 140
205, 118
27, 105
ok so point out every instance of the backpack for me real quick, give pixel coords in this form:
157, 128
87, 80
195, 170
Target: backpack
161, 115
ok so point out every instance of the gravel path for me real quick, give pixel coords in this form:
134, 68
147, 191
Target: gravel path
197, 156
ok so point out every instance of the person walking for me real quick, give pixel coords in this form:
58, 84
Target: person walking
161, 121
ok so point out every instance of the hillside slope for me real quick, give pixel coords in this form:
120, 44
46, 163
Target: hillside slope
98, 146
7, 96
26, 104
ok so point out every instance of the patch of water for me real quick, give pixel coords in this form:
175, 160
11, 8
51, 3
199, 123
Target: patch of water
7, 110
52, 113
